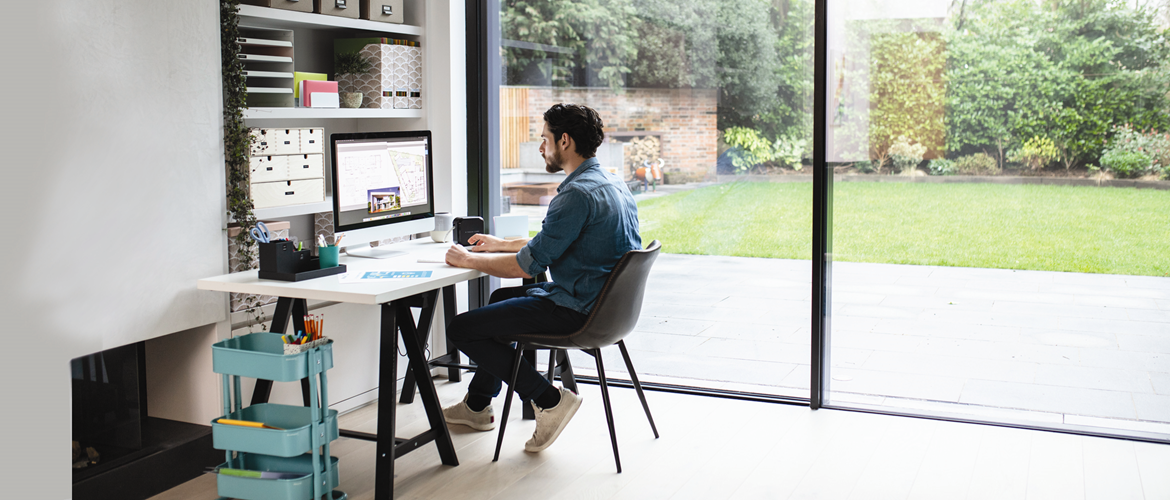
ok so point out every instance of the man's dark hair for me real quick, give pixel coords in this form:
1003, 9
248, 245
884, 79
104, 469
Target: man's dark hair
582, 123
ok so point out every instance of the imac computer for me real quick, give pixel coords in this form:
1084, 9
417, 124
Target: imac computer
382, 188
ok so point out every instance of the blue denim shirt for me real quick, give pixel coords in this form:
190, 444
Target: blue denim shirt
591, 223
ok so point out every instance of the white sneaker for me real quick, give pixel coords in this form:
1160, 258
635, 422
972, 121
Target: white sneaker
550, 422
460, 413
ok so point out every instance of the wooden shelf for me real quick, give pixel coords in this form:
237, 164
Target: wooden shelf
324, 113
279, 18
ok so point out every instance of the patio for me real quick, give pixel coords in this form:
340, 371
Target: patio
1037, 346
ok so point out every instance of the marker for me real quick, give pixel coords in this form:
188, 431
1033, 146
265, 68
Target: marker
246, 423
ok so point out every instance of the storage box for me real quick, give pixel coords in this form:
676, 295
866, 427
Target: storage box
341, 8
387, 11
396, 71
300, 5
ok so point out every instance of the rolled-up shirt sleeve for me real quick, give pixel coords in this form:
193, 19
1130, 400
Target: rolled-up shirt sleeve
567, 215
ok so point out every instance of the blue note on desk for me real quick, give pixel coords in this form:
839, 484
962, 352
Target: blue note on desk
388, 275
369, 276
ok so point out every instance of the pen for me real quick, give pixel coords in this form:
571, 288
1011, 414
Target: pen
337, 240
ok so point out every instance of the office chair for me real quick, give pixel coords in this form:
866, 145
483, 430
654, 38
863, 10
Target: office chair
613, 317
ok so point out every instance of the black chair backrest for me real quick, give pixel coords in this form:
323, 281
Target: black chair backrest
620, 303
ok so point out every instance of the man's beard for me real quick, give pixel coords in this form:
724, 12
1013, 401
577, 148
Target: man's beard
555, 165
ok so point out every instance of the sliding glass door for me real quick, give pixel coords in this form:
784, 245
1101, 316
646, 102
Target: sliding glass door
707, 107
992, 257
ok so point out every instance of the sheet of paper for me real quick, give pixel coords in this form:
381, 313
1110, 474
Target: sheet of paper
373, 276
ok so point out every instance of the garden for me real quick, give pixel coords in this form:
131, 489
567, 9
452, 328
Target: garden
1032, 227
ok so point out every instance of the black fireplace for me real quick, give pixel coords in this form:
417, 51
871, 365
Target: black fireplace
119, 451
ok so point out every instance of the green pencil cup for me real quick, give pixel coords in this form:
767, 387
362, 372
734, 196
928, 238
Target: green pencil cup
328, 256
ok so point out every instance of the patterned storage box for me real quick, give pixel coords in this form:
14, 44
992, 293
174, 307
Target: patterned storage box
395, 81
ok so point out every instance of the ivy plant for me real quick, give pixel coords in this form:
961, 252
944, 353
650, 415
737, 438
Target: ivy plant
236, 142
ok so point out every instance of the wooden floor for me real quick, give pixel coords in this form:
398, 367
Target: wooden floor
718, 448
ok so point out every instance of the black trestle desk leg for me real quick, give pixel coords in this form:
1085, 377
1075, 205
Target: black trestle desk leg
387, 378
279, 322
409, 383
449, 310
422, 373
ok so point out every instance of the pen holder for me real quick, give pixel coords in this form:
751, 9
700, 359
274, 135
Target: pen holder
283, 257
299, 348
328, 256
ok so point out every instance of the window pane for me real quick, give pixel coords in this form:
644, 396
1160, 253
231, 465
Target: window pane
993, 257
707, 107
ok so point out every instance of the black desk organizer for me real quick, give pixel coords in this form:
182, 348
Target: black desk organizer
280, 260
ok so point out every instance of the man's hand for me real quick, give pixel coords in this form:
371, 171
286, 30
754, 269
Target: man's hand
457, 256
486, 243
501, 265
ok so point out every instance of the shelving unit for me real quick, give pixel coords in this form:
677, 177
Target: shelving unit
300, 438
310, 36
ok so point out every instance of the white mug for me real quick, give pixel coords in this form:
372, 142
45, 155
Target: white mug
444, 221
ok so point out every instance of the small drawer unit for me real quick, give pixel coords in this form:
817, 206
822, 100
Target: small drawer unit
288, 141
306, 166
284, 193
312, 140
287, 166
269, 168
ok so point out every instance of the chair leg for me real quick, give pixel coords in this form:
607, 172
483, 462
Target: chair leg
567, 378
608, 409
526, 411
552, 365
637, 386
508, 400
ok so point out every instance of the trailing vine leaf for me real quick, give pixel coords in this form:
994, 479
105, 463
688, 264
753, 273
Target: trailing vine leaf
237, 141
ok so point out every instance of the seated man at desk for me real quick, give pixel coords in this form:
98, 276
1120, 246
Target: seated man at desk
591, 223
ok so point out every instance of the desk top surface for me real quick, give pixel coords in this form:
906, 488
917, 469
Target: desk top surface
328, 288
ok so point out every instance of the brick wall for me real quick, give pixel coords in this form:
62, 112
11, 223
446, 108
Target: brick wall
685, 117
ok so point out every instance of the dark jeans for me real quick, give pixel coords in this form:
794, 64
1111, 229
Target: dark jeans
508, 312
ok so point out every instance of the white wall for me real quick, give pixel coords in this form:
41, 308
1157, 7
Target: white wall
112, 200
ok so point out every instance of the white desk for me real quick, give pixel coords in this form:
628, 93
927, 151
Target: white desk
395, 297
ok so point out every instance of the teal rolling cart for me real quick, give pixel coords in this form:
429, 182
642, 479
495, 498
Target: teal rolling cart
294, 440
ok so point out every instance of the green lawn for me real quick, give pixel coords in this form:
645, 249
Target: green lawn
1050, 228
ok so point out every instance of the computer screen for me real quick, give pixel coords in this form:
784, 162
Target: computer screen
382, 185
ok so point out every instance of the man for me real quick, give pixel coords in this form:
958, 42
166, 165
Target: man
590, 224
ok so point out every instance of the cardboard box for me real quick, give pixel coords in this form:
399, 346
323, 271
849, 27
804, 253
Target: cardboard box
298, 5
387, 11
340, 8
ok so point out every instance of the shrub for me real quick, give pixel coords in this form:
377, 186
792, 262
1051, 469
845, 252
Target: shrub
787, 151
941, 166
976, 164
905, 156
1125, 164
752, 148
1151, 143
864, 167
1035, 154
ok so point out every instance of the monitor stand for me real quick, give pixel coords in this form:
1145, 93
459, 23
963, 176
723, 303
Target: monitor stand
369, 252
